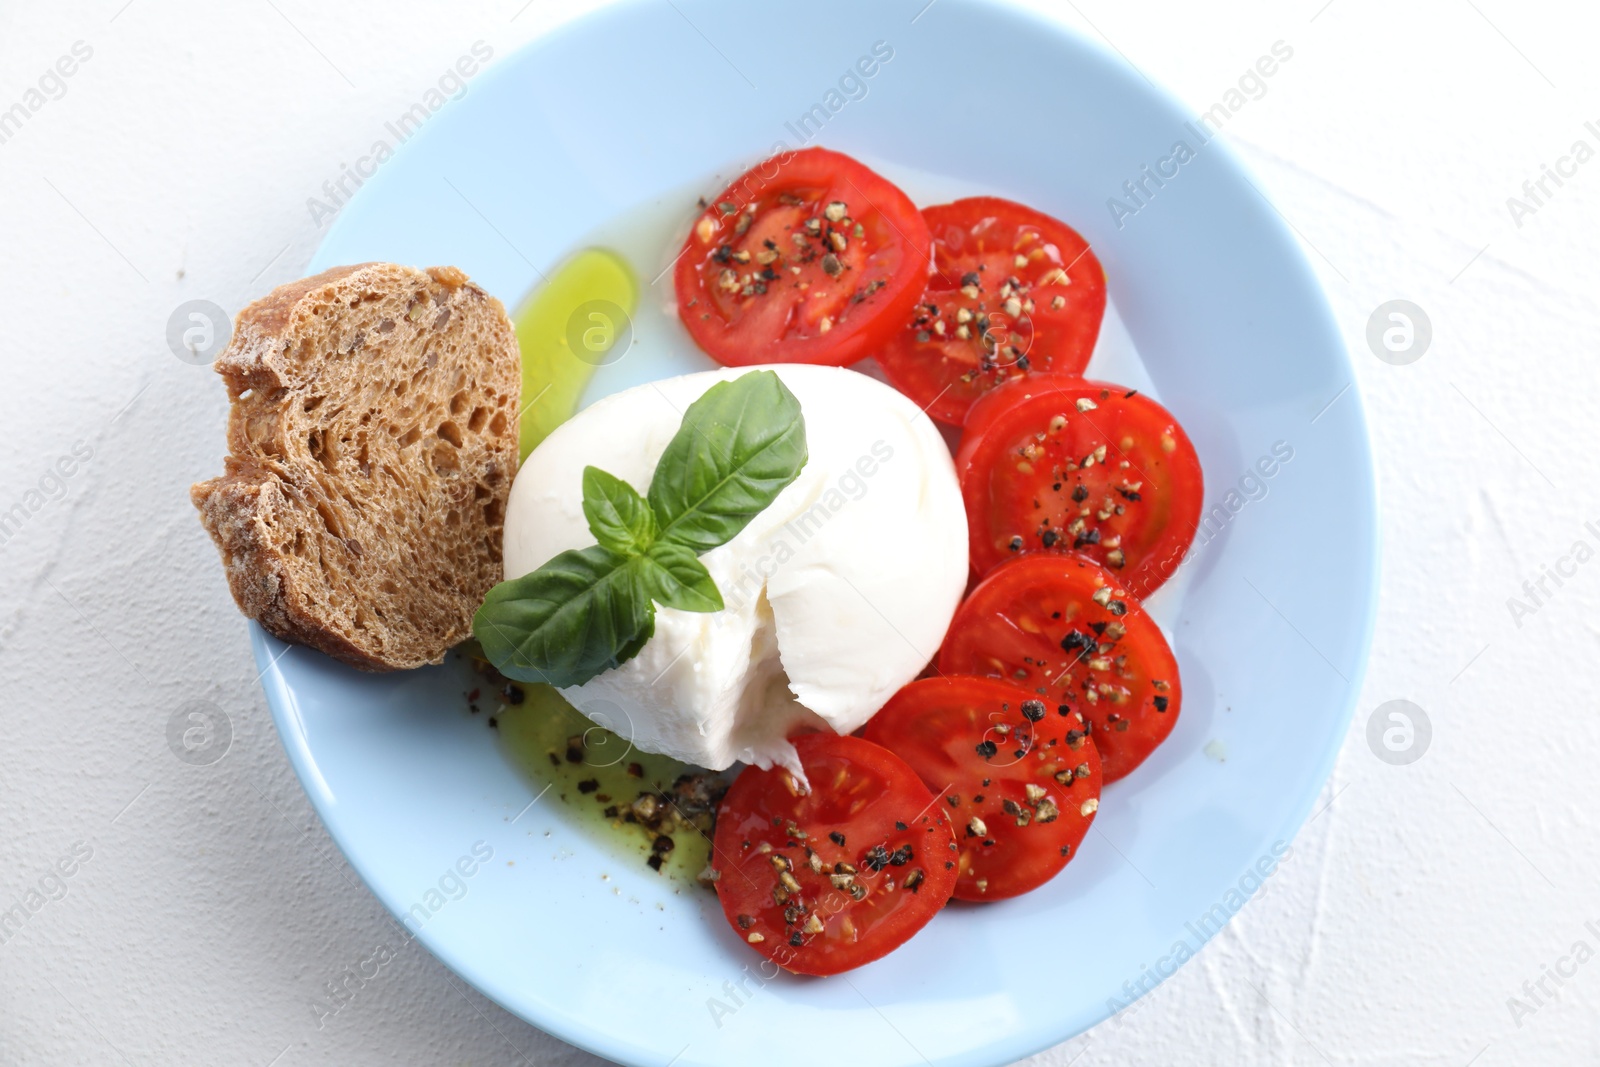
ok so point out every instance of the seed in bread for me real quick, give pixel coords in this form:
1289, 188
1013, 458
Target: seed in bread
372, 443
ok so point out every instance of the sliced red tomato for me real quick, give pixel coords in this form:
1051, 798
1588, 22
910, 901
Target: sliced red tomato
1013, 291
1067, 631
1058, 464
1019, 778
824, 881
808, 257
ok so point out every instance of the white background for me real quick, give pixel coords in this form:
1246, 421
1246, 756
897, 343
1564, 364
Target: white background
214, 908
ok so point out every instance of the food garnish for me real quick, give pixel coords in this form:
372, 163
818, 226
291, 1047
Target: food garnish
589, 610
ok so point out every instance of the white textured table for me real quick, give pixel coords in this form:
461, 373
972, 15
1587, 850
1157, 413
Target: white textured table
1437, 912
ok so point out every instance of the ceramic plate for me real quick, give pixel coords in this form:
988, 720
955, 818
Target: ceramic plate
628, 114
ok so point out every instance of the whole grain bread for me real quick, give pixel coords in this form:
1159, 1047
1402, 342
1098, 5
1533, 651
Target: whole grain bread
372, 442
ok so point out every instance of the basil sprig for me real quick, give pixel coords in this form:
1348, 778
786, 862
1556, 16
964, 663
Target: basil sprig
591, 609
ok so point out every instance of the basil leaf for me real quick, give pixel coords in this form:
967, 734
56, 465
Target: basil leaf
584, 612
590, 610
675, 578
741, 444
619, 517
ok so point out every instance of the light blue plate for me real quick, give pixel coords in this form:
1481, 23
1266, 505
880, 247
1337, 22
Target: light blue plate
1271, 622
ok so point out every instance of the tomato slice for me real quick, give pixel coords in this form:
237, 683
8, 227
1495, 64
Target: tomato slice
1020, 779
808, 257
825, 881
1013, 291
1066, 630
1061, 464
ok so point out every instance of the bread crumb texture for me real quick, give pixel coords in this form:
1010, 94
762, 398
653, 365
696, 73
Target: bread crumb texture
372, 443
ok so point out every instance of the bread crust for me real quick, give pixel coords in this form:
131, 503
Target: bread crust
372, 443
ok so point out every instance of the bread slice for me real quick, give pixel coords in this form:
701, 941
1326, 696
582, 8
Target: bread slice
372, 442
